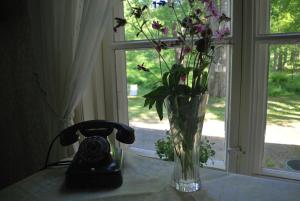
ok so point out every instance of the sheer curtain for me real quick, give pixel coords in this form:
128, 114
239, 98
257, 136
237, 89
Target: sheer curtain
67, 35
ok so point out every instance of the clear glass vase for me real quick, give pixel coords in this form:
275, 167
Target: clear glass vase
186, 117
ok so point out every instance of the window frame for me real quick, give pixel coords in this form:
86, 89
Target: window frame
255, 77
119, 44
247, 87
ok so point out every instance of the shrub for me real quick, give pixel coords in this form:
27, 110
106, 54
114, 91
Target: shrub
165, 149
284, 84
294, 85
277, 90
270, 163
279, 78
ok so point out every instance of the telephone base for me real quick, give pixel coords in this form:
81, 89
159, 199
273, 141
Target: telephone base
103, 177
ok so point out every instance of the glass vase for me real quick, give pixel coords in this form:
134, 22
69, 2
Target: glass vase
186, 116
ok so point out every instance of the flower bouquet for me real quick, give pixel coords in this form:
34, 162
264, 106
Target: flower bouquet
197, 27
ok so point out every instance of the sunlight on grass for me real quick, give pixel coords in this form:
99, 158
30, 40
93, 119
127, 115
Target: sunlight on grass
281, 110
137, 111
282, 106
209, 116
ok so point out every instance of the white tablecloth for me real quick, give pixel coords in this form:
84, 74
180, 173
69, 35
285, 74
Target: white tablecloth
148, 179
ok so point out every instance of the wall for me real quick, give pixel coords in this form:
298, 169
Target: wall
22, 144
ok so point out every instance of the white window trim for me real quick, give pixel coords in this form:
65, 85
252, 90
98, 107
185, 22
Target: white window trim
254, 89
234, 91
246, 118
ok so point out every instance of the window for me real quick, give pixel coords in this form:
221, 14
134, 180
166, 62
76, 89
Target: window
253, 114
277, 62
146, 123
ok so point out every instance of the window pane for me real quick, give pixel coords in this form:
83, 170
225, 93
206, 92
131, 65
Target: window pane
285, 16
161, 12
279, 16
282, 137
148, 127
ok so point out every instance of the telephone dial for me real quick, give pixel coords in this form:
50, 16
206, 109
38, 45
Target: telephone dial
93, 165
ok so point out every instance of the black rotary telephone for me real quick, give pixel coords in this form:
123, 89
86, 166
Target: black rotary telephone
93, 165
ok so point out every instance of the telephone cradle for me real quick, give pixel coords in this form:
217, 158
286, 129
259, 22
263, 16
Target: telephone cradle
108, 176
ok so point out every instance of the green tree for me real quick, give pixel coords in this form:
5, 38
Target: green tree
284, 18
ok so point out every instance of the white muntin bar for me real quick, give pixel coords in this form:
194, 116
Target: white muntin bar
144, 44
281, 38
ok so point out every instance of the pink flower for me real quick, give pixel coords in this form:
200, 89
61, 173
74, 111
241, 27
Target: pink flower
182, 79
156, 25
199, 28
165, 30
158, 48
226, 31
198, 11
186, 50
220, 34
213, 9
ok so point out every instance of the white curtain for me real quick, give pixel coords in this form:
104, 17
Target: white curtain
67, 35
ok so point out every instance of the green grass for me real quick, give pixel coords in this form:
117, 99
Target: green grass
281, 110
215, 109
284, 110
283, 103
137, 111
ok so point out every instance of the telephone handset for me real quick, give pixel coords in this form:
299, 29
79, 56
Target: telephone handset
93, 165
101, 128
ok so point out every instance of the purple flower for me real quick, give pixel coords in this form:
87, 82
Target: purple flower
220, 34
199, 28
165, 30
158, 48
213, 9
186, 50
156, 25
198, 11
182, 79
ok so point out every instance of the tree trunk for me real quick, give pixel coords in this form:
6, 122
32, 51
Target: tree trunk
292, 61
285, 55
217, 75
275, 59
280, 61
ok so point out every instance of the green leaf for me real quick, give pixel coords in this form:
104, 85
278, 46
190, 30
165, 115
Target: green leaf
159, 108
157, 97
176, 72
182, 90
152, 101
165, 78
147, 101
204, 80
156, 92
